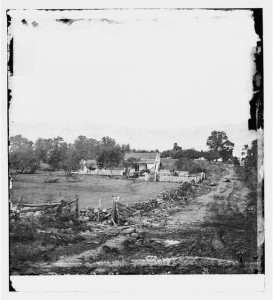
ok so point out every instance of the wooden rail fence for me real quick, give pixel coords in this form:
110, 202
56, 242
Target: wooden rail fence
33, 207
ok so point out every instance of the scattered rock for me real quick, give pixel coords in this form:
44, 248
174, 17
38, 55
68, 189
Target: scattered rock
37, 213
155, 225
69, 230
134, 235
135, 221
146, 223
30, 214
171, 242
112, 245
151, 257
54, 230
128, 230
216, 244
226, 180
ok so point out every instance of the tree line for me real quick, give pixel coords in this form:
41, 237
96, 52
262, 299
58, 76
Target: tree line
219, 147
26, 156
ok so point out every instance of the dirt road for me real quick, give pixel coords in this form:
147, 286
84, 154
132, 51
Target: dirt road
200, 208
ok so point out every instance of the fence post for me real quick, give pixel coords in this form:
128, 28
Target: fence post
99, 209
77, 206
20, 204
114, 210
60, 196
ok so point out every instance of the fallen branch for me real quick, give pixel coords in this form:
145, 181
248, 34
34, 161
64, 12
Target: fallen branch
33, 209
135, 221
126, 207
52, 180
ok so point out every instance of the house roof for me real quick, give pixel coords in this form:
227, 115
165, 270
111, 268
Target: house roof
143, 157
90, 161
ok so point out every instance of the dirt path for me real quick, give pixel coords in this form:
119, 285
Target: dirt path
199, 208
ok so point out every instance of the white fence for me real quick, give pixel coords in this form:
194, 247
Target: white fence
165, 177
101, 172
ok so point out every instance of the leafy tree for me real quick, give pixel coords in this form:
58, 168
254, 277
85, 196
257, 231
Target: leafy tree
191, 153
211, 155
251, 158
225, 155
125, 148
218, 141
22, 156
19, 143
108, 142
42, 148
167, 153
188, 165
109, 158
176, 147
86, 147
71, 161
57, 154
236, 161
249, 170
143, 151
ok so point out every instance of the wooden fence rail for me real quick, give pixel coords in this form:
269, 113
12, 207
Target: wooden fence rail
33, 207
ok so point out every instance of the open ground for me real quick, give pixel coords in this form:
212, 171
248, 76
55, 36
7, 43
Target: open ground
213, 232
89, 188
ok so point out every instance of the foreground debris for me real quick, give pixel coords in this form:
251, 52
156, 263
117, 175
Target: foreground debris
149, 237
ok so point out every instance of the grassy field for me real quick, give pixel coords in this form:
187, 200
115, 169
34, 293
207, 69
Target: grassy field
89, 188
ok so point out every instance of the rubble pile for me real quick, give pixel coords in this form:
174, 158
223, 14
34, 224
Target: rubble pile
95, 214
158, 211
145, 206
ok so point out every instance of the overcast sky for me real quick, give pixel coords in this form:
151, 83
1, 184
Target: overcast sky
145, 77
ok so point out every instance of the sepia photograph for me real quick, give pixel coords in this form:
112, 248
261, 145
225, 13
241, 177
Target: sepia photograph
135, 141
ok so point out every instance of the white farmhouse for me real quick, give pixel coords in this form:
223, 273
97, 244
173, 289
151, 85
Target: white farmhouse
150, 161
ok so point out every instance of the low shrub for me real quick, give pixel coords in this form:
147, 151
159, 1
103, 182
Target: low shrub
24, 230
189, 165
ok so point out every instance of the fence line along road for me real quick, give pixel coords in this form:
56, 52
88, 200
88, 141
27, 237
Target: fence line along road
182, 178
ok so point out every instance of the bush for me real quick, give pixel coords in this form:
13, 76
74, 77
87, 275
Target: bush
24, 230
189, 165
